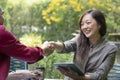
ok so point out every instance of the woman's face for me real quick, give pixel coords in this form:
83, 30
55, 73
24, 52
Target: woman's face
89, 26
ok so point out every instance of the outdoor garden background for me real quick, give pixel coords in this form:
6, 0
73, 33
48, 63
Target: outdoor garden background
36, 21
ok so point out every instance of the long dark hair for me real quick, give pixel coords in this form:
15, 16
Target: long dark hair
83, 42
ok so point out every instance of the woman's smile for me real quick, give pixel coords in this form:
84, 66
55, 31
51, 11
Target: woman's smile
87, 31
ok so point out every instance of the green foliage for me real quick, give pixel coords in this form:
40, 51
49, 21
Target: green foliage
54, 20
69, 15
31, 39
48, 63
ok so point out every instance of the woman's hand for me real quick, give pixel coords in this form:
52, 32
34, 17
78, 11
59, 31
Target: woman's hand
59, 46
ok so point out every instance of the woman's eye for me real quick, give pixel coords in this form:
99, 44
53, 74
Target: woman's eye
88, 22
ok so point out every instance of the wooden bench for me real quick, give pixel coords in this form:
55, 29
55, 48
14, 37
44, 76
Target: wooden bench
114, 73
16, 64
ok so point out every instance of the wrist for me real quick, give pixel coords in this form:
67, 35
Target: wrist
59, 46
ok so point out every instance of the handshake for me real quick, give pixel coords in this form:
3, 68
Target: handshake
49, 47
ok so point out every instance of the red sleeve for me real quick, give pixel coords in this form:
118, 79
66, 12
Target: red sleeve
10, 46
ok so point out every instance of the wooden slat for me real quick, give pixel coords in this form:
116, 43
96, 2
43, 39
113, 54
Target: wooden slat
114, 73
16, 64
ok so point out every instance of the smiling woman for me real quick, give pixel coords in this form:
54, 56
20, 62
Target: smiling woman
94, 54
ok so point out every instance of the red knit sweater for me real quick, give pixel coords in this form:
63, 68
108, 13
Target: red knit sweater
11, 47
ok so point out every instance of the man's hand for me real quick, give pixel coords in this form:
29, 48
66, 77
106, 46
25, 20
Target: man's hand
47, 48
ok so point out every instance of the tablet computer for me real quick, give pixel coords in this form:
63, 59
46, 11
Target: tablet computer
72, 66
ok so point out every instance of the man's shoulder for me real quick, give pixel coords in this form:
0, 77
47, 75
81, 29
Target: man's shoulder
2, 27
5, 34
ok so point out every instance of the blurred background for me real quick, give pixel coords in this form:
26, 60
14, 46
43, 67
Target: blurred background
36, 21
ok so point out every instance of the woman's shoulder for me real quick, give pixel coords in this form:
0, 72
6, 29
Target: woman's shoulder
110, 45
